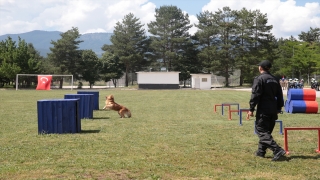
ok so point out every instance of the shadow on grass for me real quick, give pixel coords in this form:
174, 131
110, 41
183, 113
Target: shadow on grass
89, 131
100, 118
304, 157
285, 158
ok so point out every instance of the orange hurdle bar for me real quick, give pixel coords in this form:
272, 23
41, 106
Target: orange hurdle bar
240, 110
215, 107
229, 104
230, 111
222, 105
299, 128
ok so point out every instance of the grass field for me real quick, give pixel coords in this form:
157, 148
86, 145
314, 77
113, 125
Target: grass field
173, 134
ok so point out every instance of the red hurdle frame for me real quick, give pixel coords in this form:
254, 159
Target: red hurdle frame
299, 128
215, 107
223, 105
232, 110
239, 112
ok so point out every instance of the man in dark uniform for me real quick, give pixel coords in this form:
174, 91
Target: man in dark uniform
267, 95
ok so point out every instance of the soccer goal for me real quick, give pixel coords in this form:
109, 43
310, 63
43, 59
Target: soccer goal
24, 80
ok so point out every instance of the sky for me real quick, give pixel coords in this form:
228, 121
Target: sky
288, 17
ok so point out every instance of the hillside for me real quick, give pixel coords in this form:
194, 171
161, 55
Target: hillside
41, 40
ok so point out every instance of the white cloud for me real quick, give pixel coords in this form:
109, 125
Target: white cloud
18, 16
286, 17
6, 2
98, 30
193, 20
141, 9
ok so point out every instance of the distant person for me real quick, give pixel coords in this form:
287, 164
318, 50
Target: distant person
267, 96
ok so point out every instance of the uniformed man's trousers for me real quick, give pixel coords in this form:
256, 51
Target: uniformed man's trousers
264, 126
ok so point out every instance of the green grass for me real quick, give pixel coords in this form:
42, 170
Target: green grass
173, 134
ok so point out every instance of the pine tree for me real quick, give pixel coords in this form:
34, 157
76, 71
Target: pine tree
65, 54
170, 34
225, 40
231, 40
206, 38
313, 35
129, 43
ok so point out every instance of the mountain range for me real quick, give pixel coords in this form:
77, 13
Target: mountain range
41, 40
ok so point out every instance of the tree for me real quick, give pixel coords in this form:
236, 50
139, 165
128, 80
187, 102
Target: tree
261, 36
218, 41
31, 65
298, 59
21, 58
65, 53
170, 33
8, 72
8, 65
111, 67
231, 40
225, 40
305, 59
245, 23
35, 61
309, 53
205, 39
256, 42
90, 67
129, 43
188, 61
313, 35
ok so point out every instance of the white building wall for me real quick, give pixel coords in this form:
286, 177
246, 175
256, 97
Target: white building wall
158, 77
201, 81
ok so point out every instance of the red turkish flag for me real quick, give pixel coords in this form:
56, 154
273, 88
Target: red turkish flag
44, 82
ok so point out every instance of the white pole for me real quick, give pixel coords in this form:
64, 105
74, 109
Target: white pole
71, 82
17, 82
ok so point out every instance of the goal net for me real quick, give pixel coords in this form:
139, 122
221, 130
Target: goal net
30, 81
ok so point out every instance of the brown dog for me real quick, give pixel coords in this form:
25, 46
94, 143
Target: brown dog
122, 111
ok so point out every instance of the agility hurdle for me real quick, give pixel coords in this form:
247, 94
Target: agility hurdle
286, 147
215, 107
240, 118
277, 121
225, 104
239, 112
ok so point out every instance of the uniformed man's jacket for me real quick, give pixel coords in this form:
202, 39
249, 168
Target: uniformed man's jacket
266, 94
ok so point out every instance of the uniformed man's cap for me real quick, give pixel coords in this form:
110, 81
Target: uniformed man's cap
265, 64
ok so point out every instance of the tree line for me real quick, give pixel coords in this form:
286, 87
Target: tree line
226, 40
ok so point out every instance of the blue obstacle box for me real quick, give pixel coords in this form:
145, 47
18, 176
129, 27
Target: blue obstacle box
58, 116
85, 104
95, 97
